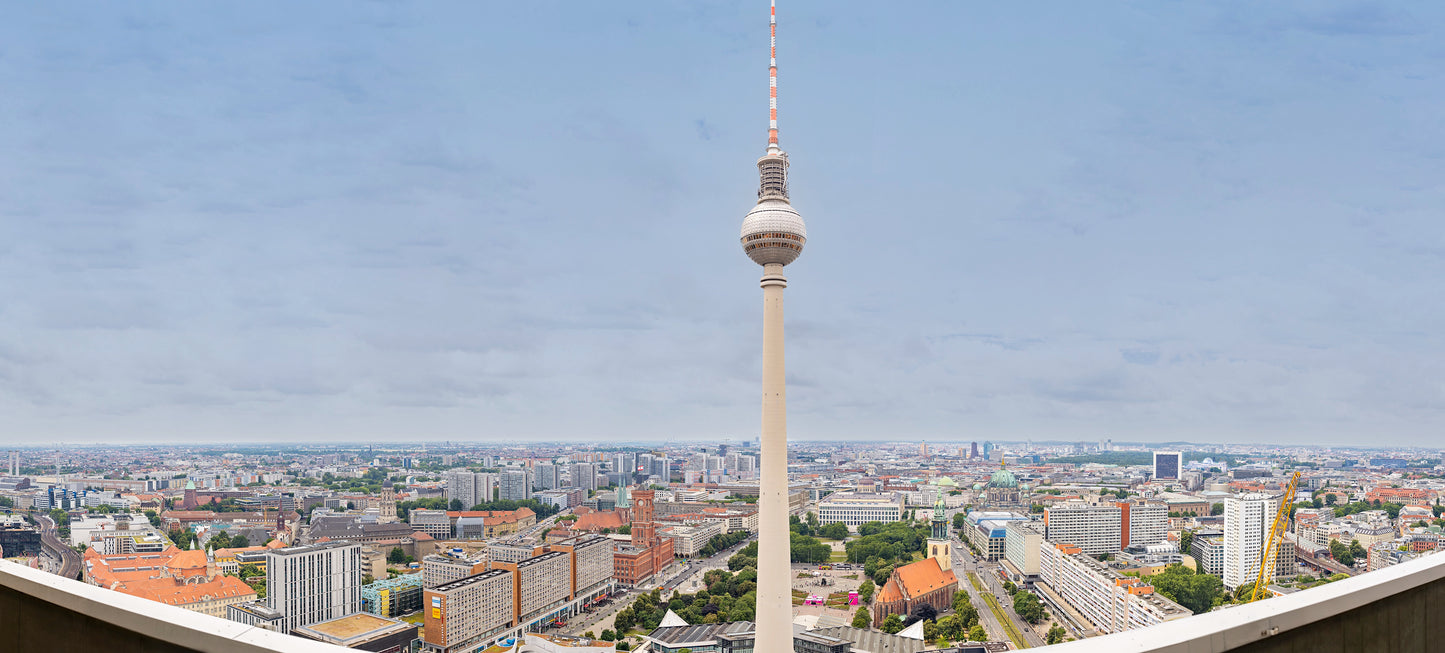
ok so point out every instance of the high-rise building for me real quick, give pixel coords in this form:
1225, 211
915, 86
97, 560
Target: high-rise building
311, 584
1247, 521
624, 462
923, 448
1096, 529
1167, 465
514, 485
469, 488
974, 452
546, 477
584, 475
14, 463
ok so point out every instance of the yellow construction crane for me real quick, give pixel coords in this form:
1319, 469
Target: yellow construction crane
1276, 533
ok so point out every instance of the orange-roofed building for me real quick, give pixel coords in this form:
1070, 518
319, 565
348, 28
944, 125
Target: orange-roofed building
497, 523
1402, 496
185, 579
204, 596
922, 582
596, 521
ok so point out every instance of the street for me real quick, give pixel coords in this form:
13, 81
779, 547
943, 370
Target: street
987, 572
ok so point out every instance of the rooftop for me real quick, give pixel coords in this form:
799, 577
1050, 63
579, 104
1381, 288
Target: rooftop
351, 626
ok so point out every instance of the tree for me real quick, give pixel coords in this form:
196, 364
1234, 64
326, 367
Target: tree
952, 627
977, 634
607, 635
624, 646
240, 542
1186, 540
1216, 509
930, 630
959, 519
1330, 499
1341, 553
835, 531
1055, 635
860, 618
456, 505
923, 612
1028, 607
396, 556
1357, 551
1180, 584
892, 624
1010, 587
865, 592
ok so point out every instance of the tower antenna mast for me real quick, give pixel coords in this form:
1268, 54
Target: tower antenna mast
773, 77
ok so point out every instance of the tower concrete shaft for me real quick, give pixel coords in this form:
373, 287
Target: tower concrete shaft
775, 588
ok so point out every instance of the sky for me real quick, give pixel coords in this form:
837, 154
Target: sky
1153, 221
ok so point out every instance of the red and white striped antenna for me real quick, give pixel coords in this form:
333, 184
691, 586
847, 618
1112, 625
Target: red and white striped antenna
773, 79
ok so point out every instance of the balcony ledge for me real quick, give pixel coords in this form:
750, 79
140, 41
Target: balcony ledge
40, 611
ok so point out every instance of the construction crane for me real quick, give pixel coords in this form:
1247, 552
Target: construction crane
1276, 533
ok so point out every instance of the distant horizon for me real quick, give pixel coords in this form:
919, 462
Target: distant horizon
603, 446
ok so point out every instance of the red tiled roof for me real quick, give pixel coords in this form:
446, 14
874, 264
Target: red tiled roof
922, 577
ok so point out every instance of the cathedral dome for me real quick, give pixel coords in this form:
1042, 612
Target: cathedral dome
1003, 478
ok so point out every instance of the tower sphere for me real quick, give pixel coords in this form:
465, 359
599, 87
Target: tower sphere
773, 232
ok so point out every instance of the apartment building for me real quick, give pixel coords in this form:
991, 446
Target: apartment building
515, 485
1247, 522
1111, 602
540, 585
1207, 548
469, 613
591, 562
311, 584
546, 476
1095, 529
446, 566
470, 488
1142, 523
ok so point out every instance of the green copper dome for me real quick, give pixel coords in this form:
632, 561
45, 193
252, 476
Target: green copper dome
1003, 478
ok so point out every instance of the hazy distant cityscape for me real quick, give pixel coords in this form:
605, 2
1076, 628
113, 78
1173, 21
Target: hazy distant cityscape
459, 546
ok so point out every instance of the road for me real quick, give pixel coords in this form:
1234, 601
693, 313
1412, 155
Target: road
987, 572
69, 559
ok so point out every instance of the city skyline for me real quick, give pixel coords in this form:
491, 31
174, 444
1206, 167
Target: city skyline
1201, 223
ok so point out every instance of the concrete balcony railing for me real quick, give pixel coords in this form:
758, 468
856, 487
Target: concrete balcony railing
40, 611
1399, 609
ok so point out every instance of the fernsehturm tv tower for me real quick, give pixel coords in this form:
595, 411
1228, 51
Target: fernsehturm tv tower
773, 236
